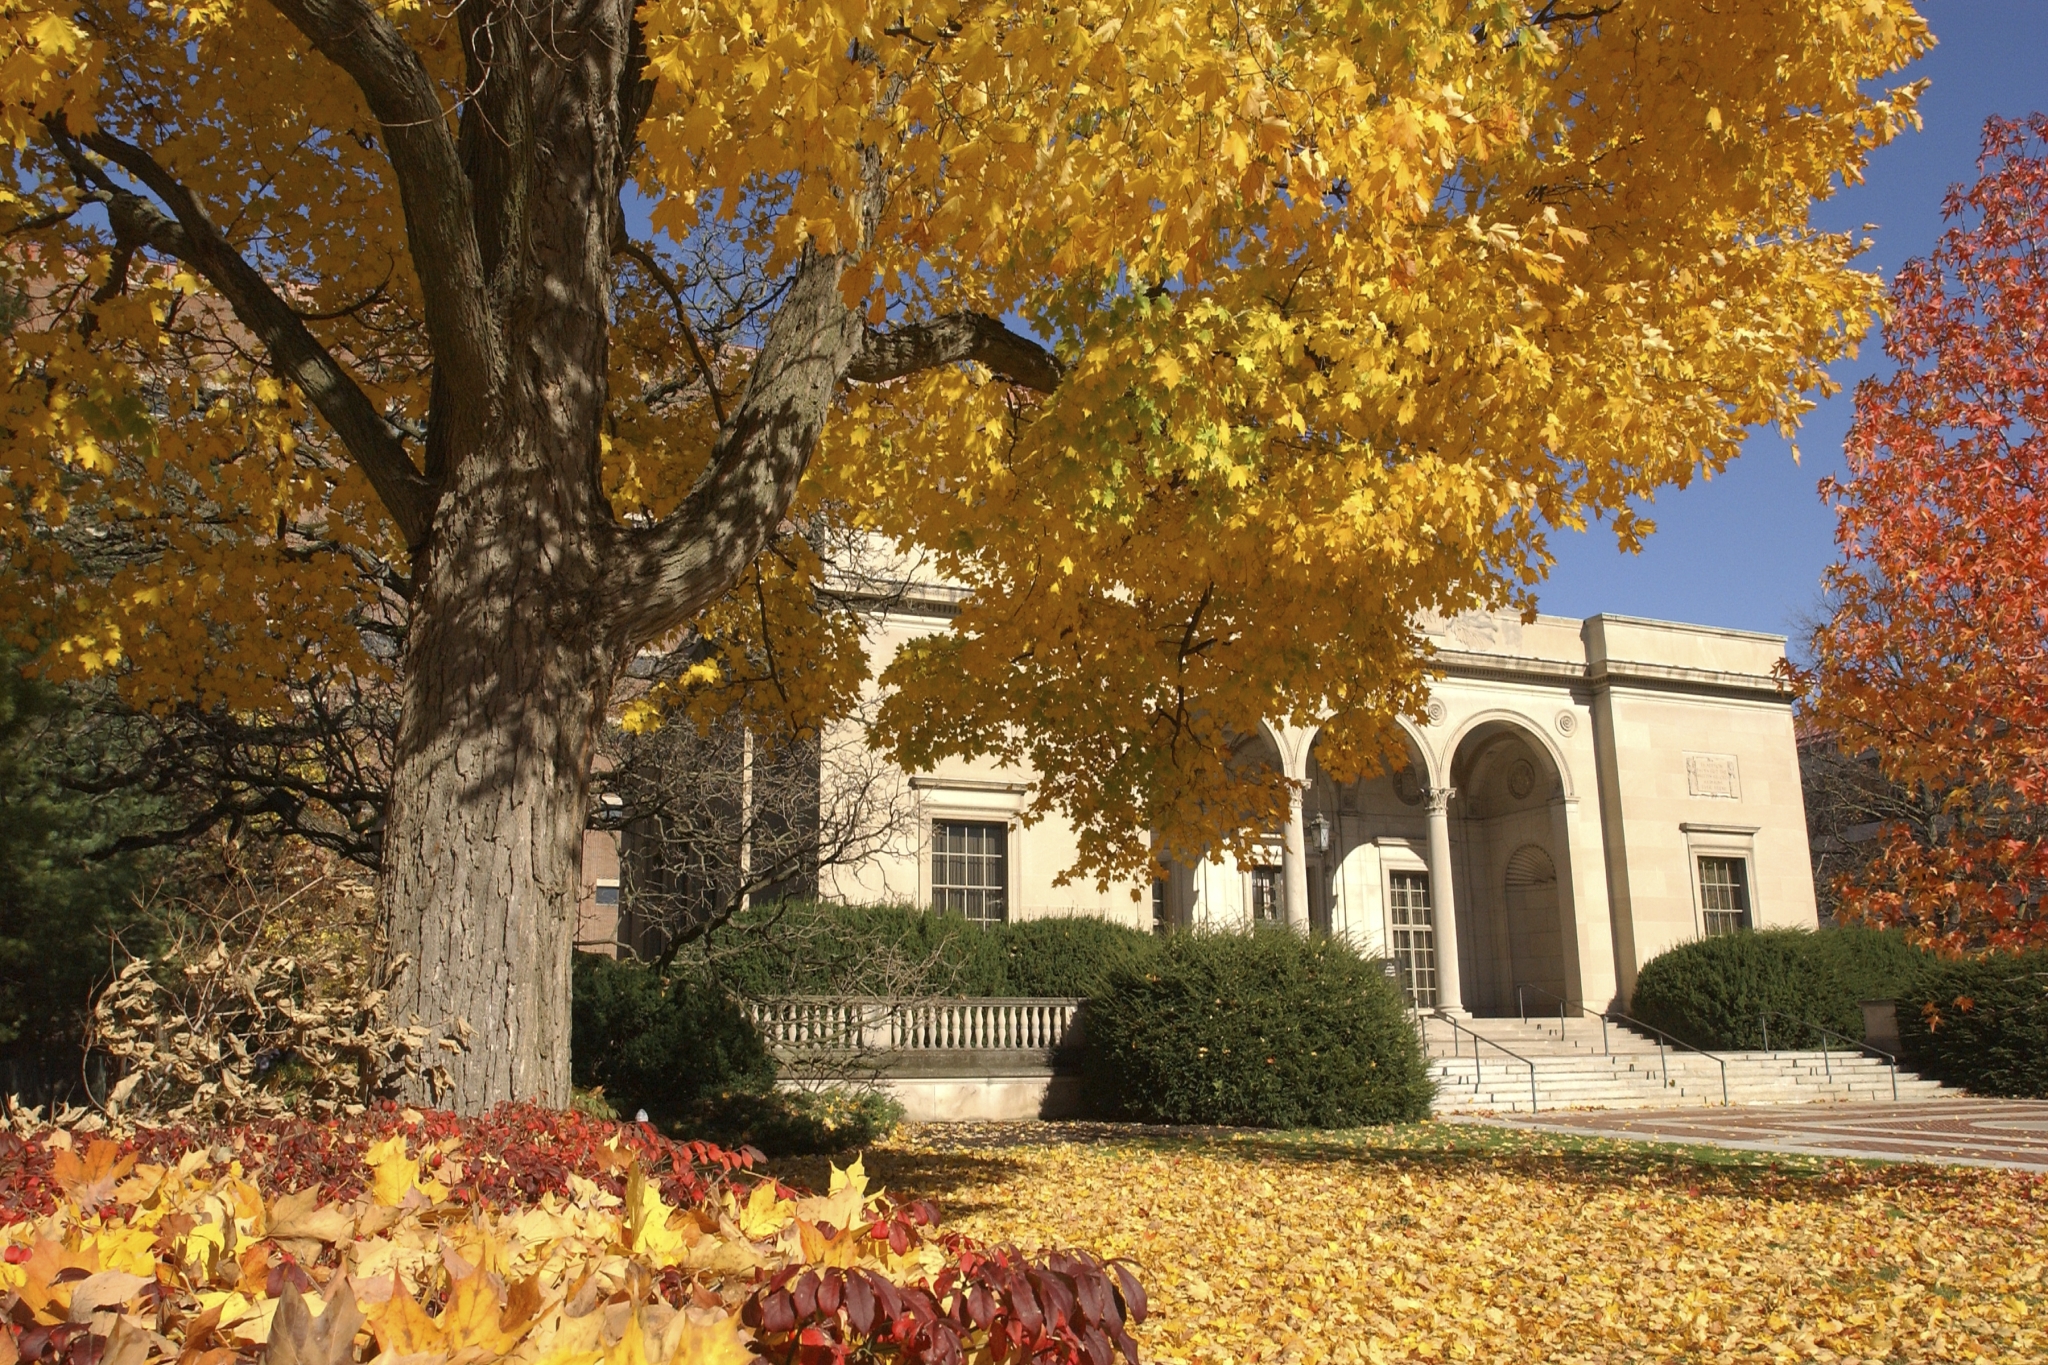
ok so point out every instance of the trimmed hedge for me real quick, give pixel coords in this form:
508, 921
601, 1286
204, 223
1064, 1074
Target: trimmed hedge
803, 948
1712, 992
1071, 956
1268, 1029
1981, 1024
816, 949
1874, 964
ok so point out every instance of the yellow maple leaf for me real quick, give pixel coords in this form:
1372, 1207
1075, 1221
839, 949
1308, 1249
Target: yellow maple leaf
394, 1173
646, 1230
402, 1327
708, 1339
764, 1214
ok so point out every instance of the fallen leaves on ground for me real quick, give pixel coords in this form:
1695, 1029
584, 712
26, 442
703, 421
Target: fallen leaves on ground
1440, 1243
109, 1256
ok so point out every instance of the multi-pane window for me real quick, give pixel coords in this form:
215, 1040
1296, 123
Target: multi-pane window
1413, 931
1266, 894
970, 872
1724, 895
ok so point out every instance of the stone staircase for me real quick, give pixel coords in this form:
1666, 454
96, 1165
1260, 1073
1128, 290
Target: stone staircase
1575, 1066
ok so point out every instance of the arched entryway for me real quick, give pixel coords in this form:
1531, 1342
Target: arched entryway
1511, 872
1369, 880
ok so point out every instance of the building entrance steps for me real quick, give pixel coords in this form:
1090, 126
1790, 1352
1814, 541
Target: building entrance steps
1488, 1065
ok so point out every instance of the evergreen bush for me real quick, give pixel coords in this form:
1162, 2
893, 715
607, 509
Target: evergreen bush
685, 1052
662, 1047
1713, 992
1981, 1024
806, 948
1069, 956
802, 948
797, 1122
1268, 1029
1874, 964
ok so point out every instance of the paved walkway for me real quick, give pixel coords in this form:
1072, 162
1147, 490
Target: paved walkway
1969, 1132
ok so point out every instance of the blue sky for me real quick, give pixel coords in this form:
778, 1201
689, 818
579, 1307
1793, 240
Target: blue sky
1747, 548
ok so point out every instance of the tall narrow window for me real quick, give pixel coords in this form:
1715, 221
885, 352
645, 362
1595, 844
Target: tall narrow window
1413, 931
1724, 896
1266, 895
970, 869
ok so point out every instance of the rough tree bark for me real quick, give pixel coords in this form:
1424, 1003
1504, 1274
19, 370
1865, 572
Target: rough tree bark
529, 594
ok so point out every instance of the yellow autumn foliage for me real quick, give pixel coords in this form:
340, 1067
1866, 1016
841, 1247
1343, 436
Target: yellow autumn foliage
1353, 303
193, 1257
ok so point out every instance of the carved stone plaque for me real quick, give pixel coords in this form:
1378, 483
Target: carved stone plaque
1712, 776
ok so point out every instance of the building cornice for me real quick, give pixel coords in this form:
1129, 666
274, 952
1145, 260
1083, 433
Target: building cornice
1608, 674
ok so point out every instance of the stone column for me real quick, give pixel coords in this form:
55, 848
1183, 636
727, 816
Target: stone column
1442, 901
1294, 866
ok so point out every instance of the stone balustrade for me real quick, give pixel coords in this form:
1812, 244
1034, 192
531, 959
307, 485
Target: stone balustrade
826, 1024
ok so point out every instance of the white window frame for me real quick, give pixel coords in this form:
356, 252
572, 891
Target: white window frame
1009, 879
1402, 858
973, 801
1278, 879
1720, 841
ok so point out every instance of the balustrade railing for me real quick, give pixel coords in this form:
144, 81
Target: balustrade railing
864, 1023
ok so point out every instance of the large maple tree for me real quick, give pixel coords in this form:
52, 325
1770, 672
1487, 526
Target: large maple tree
1932, 662
1207, 344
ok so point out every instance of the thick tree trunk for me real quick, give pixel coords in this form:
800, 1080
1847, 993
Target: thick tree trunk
505, 691
514, 640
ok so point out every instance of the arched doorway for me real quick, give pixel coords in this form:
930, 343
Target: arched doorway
1511, 872
1536, 938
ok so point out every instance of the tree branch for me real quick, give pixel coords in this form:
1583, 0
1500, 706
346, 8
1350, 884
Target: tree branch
668, 285
948, 341
440, 223
699, 550
189, 235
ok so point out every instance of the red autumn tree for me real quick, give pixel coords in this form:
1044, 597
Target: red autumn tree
1933, 661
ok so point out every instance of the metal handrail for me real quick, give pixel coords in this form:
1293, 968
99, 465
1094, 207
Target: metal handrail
1478, 1076
1663, 1058
1522, 1000
1662, 1038
1764, 1018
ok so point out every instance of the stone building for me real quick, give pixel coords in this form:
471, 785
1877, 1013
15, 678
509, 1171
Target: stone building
1584, 795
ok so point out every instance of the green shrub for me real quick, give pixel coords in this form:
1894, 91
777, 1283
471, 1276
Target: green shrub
1874, 964
662, 1048
1713, 992
1069, 956
1268, 1029
814, 949
801, 948
1981, 1024
795, 1122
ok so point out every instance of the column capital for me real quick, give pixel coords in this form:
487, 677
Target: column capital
1438, 798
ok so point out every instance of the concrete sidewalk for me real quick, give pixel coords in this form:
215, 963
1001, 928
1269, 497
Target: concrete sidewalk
2012, 1134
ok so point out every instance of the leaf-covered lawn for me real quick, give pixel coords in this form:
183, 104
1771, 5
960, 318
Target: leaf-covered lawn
1447, 1242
